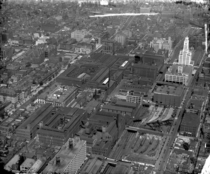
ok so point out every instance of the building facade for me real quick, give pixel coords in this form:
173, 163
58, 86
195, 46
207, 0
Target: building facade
181, 71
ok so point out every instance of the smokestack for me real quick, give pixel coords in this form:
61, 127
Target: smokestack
71, 144
57, 160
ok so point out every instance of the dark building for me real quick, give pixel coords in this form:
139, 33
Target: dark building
168, 95
108, 47
52, 125
189, 125
102, 131
145, 70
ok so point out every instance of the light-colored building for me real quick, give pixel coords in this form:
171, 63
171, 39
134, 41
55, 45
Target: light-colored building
57, 95
27, 164
181, 71
69, 159
79, 35
206, 167
120, 38
179, 74
36, 166
161, 43
128, 33
83, 48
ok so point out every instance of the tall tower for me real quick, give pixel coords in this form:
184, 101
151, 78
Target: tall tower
186, 44
185, 54
206, 38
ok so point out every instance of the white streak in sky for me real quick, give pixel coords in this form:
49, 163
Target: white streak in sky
124, 14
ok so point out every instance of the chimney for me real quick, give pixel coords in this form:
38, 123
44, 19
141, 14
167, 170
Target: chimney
103, 129
57, 160
71, 144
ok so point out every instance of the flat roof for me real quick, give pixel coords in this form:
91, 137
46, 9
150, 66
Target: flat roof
187, 69
28, 163
191, 119
60, 94
66, 155
170, 90
118, 108
126, 104
37, 116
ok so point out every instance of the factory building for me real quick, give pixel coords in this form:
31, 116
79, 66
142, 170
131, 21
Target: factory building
168, 95
181, 71
57, 95
52, 125
145, 70
189, 125
69, 159
101, 132
60, 126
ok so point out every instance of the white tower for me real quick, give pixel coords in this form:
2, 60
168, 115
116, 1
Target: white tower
185, 55
206, 38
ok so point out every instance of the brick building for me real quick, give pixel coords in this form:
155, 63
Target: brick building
168, 95
189, 125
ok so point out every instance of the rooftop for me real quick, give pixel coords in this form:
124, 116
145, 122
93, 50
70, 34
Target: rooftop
66, 155
187, 69
191, 119
169, 90
57, 93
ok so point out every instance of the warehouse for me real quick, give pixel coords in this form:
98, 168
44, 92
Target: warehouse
168, 95
189, 125
56, 124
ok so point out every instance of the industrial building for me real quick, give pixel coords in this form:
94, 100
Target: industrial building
77, 76
181, 71
57, 95
69, 159
61, 125
168, 95
52, 125
117, 109
92, 166
145, 70
101, 132
189, 125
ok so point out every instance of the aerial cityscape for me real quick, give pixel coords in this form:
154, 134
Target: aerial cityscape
105, 87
